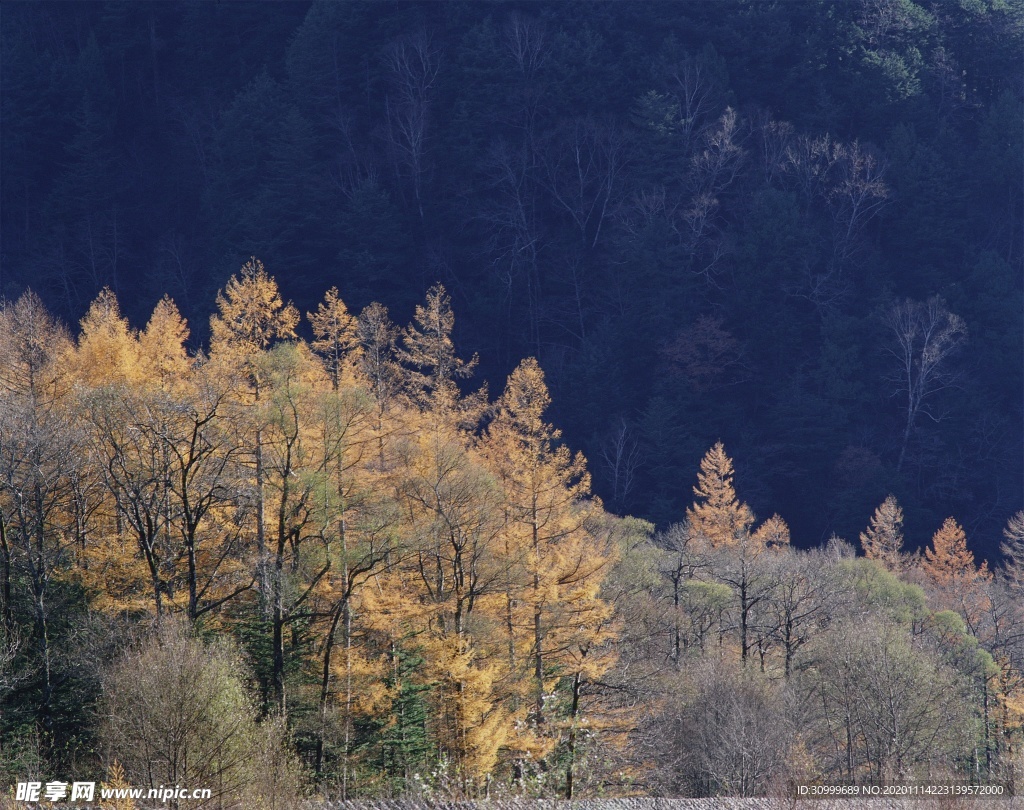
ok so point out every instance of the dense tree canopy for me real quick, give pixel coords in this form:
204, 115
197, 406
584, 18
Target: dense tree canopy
406, 588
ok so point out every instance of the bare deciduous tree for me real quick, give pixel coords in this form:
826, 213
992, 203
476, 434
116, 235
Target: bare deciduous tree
1013, 549
888, 709
857, 195
734, 739
621, 455
847, 180
516, 234
413, 63
583, 173
175, 712
924, 337
525, 43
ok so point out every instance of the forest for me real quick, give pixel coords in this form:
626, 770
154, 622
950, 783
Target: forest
715, 484
285, 566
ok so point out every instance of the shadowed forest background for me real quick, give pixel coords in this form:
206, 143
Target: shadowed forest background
788, 232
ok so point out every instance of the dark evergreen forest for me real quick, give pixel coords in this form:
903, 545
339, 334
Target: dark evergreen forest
791, 226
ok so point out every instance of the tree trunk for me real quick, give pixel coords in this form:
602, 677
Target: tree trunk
577, 687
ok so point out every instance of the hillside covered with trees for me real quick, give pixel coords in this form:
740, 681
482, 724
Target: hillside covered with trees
286, 566
714, 485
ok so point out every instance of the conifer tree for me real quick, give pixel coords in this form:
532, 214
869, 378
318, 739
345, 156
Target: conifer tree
773, 534
428, 348
162, 351
377, 336
108, 349
724, 522
555, 618
33, 348
251, 313
718, 515
120, 788
883, 539
379, 368
335, 333
251, 316
948, 560
1013, 548
949, 564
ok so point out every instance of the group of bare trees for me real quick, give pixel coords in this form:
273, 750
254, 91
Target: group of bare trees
758, 664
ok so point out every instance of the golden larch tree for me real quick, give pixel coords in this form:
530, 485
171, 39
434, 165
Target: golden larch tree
773, 534
251, 313
453, 570
334, 330
718, 515
251, 316
720, 519
557, 623
162, 350
948, 560
34, 349
108, 350
377, 337
428, 349
950, 566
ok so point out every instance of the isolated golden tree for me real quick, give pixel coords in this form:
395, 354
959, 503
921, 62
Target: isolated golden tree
950, 566
118, 781
717, 514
